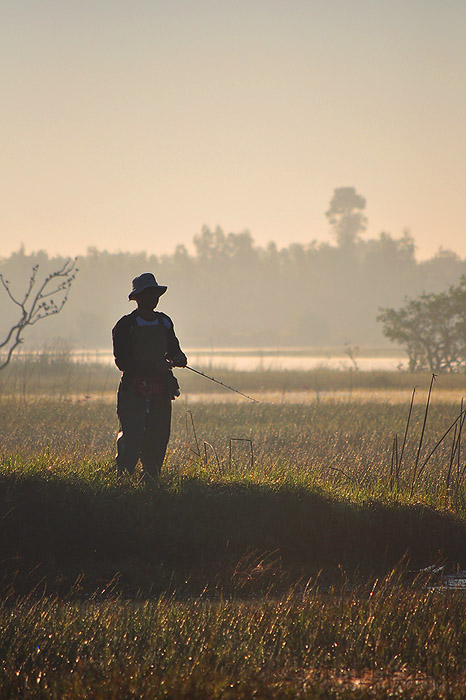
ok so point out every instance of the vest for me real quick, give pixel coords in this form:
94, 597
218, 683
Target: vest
148, 349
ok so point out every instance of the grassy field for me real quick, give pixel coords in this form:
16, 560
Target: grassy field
276, 558
388, 641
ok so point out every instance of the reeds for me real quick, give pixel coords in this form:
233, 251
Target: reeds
385, 638
233, 577
420, 466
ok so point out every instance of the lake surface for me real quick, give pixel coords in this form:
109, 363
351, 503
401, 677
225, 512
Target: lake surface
252, 360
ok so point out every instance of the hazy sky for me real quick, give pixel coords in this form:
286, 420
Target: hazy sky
127, 125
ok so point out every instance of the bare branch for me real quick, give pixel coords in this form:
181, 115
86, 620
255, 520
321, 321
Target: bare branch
42, 304
5, 284
12, 330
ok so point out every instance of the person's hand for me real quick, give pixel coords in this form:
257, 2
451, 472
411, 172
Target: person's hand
180, 360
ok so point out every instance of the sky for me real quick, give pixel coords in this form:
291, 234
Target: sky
130, 125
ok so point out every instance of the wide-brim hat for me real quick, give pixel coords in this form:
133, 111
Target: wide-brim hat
143, 282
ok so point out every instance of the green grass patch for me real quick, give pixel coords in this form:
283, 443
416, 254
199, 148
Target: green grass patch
288, 573
192, 534
316, 498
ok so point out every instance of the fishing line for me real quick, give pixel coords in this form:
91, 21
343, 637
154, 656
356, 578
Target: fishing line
217, 381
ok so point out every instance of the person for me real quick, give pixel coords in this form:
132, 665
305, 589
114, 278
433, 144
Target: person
145, 348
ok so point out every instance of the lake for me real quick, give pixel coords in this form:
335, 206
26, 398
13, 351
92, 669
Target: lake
254, 359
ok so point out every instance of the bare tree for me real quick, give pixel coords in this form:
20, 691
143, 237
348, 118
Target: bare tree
38, 303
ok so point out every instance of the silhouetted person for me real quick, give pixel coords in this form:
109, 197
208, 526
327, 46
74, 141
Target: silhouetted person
145, 348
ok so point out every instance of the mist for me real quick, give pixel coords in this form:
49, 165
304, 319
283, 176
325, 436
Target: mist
231, 292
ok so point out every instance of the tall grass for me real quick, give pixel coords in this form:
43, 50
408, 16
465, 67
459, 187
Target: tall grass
342, 446
377, 642
317, 496
278, 579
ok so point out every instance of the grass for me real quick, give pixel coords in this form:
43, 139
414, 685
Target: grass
317, 497
224, 580
192, 536
363, 643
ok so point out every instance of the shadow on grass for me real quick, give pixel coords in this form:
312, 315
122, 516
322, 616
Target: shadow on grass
63, 535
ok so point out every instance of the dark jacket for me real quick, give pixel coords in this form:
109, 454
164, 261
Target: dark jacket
121, 335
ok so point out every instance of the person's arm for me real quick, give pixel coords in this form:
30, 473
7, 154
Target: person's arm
174, 351
121, 335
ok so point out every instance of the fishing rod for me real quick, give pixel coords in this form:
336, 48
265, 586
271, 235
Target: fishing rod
217, 381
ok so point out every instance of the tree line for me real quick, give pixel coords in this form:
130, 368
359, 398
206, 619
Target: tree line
226, 290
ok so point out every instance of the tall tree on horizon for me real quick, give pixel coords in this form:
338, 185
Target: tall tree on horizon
345, 215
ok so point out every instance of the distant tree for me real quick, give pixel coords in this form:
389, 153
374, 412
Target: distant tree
345, 215
217, 246
210, 245
431, 328
37, 303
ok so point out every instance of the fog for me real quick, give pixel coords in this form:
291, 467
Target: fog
231, 292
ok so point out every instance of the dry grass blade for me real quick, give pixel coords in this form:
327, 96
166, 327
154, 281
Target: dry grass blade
437, 445
393, 464
251, 453
219, 464
189, 414
454, 446
426, 412
406, 432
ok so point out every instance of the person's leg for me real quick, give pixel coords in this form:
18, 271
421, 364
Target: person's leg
156, 436
131, 414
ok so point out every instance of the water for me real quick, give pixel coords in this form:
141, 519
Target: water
455, 582
451, 582
445, 582
252, 360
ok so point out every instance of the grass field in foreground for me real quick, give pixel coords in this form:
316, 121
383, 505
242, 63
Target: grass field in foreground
302, 488
378, 642
232, 578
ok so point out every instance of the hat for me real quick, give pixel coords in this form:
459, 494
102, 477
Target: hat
145, 281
